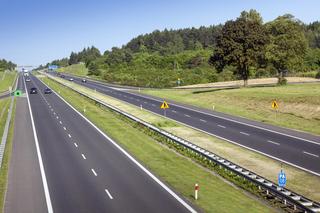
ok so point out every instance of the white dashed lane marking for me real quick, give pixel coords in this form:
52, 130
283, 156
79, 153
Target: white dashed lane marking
244, 133
311, 154
64, 128
221, 126
83, 156
75, 144
187, 115
60, 122
94, 172
108, 193
273, 142
69, 135
203, 120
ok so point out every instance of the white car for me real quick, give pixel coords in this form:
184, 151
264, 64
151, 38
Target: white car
71, 79
28, 80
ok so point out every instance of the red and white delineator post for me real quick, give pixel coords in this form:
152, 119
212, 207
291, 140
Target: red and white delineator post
196, 189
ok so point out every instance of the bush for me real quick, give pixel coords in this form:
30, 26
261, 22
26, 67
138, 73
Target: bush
282, 81
318, 75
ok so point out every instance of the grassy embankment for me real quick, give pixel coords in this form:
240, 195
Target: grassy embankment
76, 69
215, 196
299, 181
4, 105
7, 81
299, 105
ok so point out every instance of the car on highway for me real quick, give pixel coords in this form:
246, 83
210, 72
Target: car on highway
28, 80
62, 76
84, 80
33, 90
47, 91
70, 79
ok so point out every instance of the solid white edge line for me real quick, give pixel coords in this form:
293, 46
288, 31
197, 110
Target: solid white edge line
42, 171
94, 172
308, 153
228, 119
180, 200
108, 193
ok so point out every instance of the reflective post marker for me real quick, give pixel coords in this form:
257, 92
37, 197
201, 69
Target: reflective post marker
196, 188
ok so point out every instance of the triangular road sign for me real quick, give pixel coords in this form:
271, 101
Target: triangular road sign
164, 105
274, 105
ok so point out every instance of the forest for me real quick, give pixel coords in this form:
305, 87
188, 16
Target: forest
243, 48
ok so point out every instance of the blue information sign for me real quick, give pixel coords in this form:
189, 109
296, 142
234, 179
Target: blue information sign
53, 67
282, 179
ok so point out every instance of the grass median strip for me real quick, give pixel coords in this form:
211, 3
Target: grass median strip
7, 155
180, 173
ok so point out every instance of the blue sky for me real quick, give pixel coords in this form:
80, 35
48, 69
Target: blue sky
34, 32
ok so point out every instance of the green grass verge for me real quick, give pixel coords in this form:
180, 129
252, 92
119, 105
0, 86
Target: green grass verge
215, 194
6, 159
299, 105
8, 80
75, 69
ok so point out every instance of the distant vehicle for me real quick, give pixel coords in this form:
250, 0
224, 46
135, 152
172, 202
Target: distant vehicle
28, 80
71, 79
84, 80
62, 76
33, 90
47, 91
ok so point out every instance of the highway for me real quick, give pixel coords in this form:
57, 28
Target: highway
83, 170
295, 148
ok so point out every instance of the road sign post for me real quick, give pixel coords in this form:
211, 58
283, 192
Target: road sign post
196, 189
282, 179
275, 106
164, 106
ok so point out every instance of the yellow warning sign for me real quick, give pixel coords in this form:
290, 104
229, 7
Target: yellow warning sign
164, 105
274, 105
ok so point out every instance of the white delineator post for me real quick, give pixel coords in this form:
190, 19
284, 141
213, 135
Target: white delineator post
196, 188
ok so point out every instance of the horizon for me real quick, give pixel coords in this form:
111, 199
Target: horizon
40, 32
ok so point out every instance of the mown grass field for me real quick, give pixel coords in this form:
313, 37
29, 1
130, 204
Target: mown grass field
75, 69
7, 81
7, 153
299, 105
215, 195
298, 180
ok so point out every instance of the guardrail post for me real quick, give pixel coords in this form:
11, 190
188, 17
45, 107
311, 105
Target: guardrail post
267, 192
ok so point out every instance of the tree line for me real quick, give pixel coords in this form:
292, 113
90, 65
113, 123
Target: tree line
6, 65
239, 49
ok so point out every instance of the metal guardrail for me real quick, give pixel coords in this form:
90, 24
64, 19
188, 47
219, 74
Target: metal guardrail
290, 198
5, 132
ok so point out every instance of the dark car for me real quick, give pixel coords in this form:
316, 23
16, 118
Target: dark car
84, 80
47, 91
62, 76
33, 90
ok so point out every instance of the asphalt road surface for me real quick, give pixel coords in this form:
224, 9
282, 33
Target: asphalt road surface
87, 172
296, 148
25, 190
